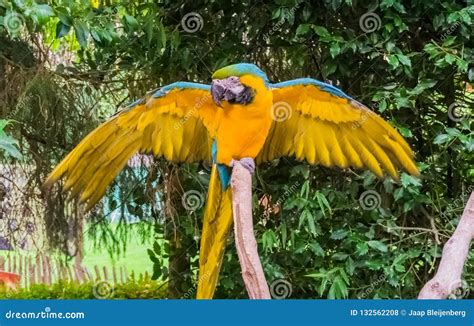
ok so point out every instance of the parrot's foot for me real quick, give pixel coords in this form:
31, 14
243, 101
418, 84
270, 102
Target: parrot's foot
247, 162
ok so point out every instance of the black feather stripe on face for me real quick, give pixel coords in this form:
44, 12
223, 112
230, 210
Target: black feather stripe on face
244, 97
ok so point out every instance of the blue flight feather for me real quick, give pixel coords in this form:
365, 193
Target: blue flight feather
162, 91
309, 81
180, 85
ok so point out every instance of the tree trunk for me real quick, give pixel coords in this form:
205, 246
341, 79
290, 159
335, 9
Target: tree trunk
178, 264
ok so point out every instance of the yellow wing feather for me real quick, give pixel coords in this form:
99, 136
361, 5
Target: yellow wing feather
171, 125
327, 128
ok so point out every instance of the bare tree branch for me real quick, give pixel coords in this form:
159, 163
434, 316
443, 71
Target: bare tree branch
252, 271
455, 251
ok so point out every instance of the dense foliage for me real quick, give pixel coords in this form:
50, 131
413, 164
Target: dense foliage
323, 233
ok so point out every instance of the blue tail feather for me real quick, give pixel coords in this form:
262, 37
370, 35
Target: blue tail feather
224, 174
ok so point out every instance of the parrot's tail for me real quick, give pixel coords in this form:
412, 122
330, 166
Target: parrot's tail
216, 226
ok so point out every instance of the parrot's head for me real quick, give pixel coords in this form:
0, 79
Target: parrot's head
237, 83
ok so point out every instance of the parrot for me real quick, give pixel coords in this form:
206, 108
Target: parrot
240, 117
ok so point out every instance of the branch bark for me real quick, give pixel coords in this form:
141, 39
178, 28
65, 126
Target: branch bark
252, 271
455, 251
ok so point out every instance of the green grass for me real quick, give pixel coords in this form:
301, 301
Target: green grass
135, 258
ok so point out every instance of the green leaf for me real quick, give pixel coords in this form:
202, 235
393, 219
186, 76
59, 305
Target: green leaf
340, 256
470, 74
449, 41
322, 287
405, 132
131, 22
374, 264
317, 249
390, 46
62, 29
404, 60
350, 266
321, 31
303, 29
423, 85
339, 234
81, 33
438, 21
329, 68
4, 123
42, 12
269, 240
322, 202
377, 245
362, 248
335, 49
65, 17
156, 247
441, 139
284, 233
162, 34
393, 61
276, 13
338, 289
310, 220
409, 182
449, 58
9, 146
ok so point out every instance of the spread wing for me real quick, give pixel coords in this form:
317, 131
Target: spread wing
171, 122
319, 123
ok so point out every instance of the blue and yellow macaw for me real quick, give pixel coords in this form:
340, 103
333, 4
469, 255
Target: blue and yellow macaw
242, 117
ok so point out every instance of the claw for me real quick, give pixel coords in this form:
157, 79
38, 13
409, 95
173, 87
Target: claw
247, 162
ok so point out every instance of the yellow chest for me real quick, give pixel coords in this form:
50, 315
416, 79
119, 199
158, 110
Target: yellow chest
243, 129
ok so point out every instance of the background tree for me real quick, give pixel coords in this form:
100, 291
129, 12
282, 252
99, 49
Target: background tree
322, 232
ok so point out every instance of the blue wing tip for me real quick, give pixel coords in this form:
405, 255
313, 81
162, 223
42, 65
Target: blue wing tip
309, 81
